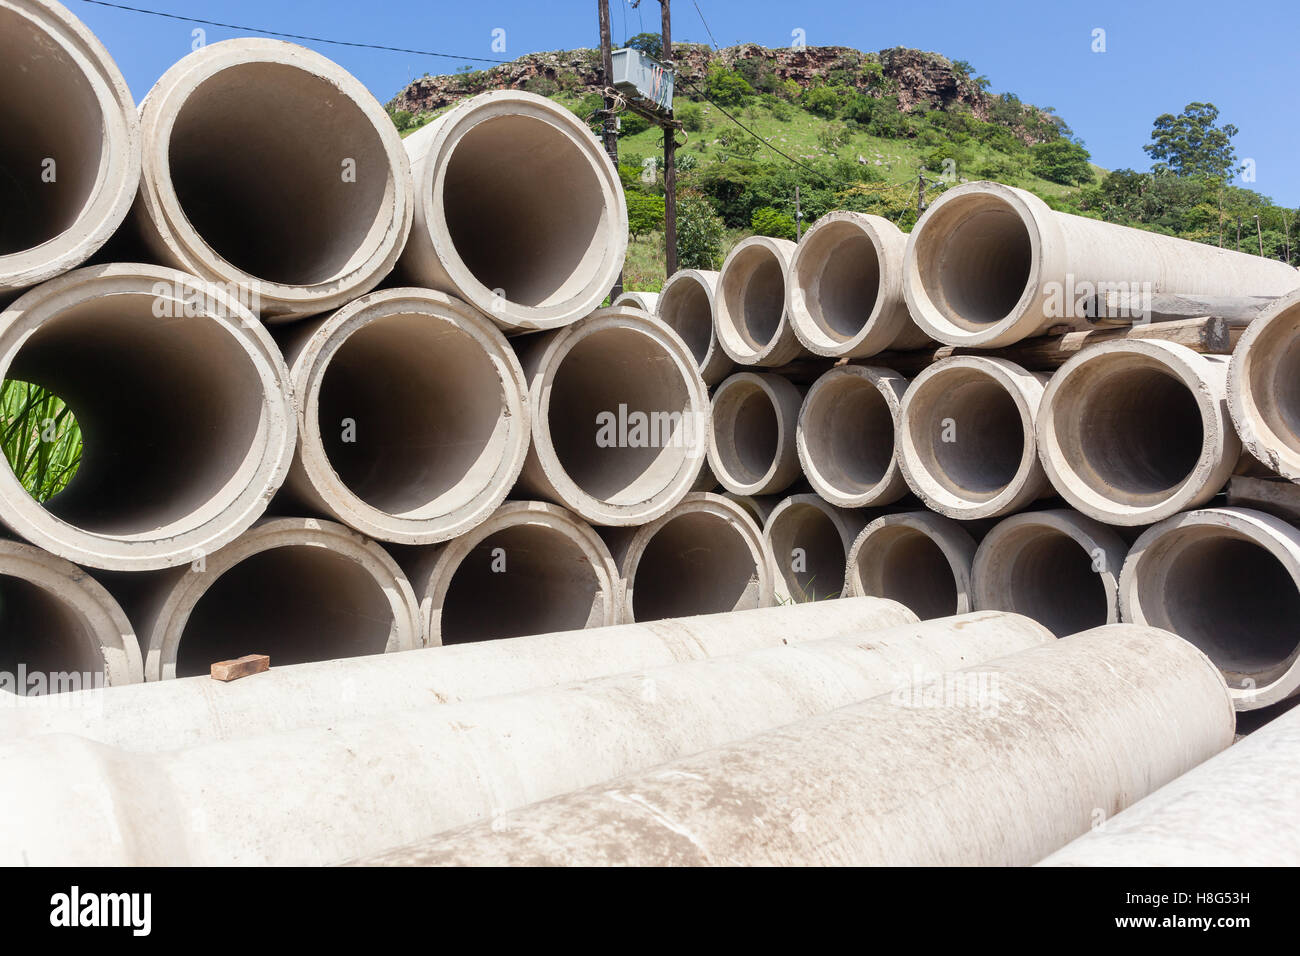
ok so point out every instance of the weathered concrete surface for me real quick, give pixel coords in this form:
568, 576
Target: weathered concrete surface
750, 316
810, 542
1264, 387
918, 558
753, 423
687, 305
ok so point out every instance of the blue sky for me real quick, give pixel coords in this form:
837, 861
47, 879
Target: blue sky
1158, 56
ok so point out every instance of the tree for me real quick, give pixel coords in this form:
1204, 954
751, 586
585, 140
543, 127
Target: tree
823, 101
1191, 144
726, 87
1061, 161
699, 233
644, 213
651, 44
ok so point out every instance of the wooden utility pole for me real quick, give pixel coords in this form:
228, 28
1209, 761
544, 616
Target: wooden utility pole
1286, 231
670, 155
1239, 234
920, 193
798, 215
611, 124
1260, 233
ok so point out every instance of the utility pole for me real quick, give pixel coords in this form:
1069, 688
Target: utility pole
611, 124
1260, 233
798, 215
920, 193
1239, 234
670, 154
1286, 231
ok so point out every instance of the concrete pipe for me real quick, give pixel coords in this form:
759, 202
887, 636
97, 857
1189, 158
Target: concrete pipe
620, 417
845, 436
705, 556
845, 294
1228, 580
518, 211
1055, 737
186, 712
297, 230
750, 316
989, 265
296, 589
759, 508
810, 542
645, 301
1132, 432
60, 630
919, 559
361, 787
412, 416
1057, 567
687, 306
1264, 387
184, 407
531, 568
752, 433
70, 155
1236, 809
966, 437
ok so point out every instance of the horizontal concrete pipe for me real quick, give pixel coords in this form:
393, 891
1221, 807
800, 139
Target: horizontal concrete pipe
1054, 736
759, 508
186, 712
750, 316
360, 787
412, 416
70, 154
620, 417
1264, 387
845, 293
184, 406
687, 305
810, 542
752, 433
1228, 581
705, 556
518, 211
297, 230
989, 265
845, 436
1058, 567
530, 568
645, 301
1131, 432
965, 438
920, 559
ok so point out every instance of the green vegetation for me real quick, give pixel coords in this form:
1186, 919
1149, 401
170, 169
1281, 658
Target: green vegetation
41, 438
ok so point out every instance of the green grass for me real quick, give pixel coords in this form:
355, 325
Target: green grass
41, 438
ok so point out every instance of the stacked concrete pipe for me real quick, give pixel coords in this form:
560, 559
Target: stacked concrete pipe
759, 508
920, 559
1228, 581
752, 431
705, 556
810, 541
1055, 736
297, 230
1056, 566
531, 568
359, 787
845, 292
70, 155
645, 301
845, 436
989, 265
1264, 387
184, 403
620, 417
966, 437
687, 305
412, 416
518, 211
750, 316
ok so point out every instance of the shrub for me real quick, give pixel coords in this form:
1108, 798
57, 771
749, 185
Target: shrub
726, 87
644, 213
772, 222
699, 233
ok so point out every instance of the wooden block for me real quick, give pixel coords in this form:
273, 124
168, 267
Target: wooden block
1119, 308
1275, 496
243, 667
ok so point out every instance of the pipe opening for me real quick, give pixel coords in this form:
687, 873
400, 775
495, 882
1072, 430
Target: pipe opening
50, 152
295, 603
620, 416
1051, 579
268, 205
849, 431
684, 307
41, 438
43, 637
968, 433
523, 579
1273, 378
907, 566
840, 276
755, 294
412, 416
809, 553
696, 563
746, 432
525, 209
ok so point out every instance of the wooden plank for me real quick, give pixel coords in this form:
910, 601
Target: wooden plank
1114, 308
1275, 496
242, 667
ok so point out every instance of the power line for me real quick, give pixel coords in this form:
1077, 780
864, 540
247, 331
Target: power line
706, 24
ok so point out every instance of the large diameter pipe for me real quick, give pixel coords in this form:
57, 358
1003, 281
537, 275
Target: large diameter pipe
752, 323
810, 541
70, 155
845, 436
645, 301
184, 406
920, 559
1054, 735
754, 419
530, 568
1132, 432
518, 211
705, 556
620, 417
364, 786
966, 437
989, 265
412, 416
1228, 581
1264, 387
687, 305
1236, 809
60, 630
1057, 566
186, 712
845, 293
